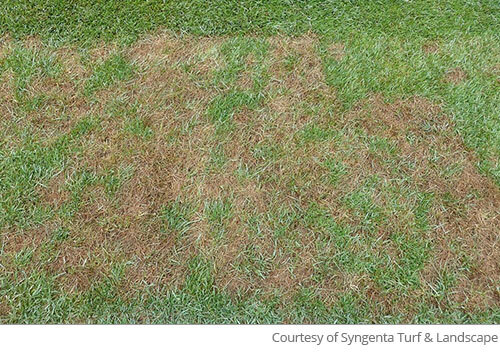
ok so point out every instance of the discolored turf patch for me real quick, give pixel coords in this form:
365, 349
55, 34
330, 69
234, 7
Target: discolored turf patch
464, 210
237, 151
455, 75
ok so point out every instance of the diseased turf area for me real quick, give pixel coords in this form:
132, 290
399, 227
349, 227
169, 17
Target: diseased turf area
316, 178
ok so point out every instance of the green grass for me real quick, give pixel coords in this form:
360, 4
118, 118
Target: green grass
115, 68
186, 191
176, 217
398, 67
218, 212
35, 298
27, 64
22, 171
87, 20
139, 128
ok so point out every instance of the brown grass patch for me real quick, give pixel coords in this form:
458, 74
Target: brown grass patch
128, 228
307, 77
7, 100
455, 76
304, 84
59, 97
430, 48
283, 115
284, 174
337, 51
474, 215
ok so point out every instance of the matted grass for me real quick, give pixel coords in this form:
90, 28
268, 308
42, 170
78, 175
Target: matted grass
328, 177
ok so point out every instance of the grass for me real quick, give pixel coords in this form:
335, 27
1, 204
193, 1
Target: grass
114, 68
23, 171
249, 162
176, 217
27, 64
90, 20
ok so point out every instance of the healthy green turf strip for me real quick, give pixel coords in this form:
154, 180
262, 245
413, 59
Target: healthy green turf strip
87, 20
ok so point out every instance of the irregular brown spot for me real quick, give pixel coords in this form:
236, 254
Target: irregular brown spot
271, 176
129, 229
474, 216
7, 100
33, 42
430, 48
305, 83
337, 51
4, 309
55, 194
455, 76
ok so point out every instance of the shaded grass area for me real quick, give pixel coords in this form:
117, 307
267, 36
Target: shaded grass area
333, 178
86, 20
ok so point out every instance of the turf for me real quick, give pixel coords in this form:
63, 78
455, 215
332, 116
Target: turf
249, 162
86, 20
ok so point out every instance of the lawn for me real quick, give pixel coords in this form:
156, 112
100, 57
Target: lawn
249, 161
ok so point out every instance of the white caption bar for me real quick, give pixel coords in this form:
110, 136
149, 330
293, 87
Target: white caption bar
267, 337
